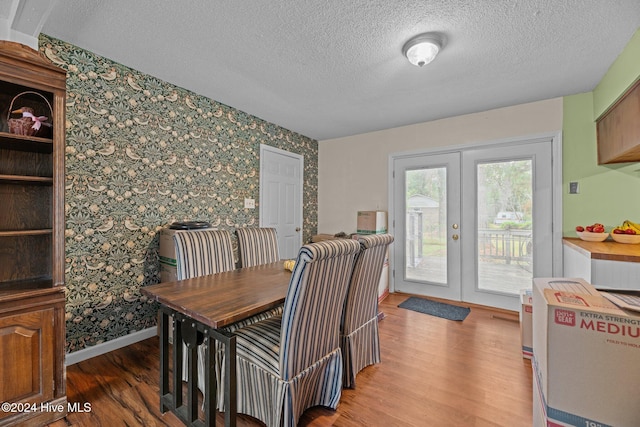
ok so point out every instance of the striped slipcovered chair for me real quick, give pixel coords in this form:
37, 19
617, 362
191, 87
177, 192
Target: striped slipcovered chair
288, 363
257, 246
203, 252
199, 253
359, 329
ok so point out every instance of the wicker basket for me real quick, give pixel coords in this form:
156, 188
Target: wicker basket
26, 125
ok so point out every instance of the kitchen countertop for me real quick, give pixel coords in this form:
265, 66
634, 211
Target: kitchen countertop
607, 250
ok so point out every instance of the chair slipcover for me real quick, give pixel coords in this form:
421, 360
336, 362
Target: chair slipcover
199, 253
257, 246
359, 331
288, 363
202, 252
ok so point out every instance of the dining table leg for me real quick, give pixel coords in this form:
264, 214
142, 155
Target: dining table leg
192, 334
164, 360
210, 381
177, 361
192, 338
230, 385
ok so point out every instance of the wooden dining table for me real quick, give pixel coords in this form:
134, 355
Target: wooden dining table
199, 308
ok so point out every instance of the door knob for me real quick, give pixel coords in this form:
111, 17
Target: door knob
455, 237
454, 226
297, 229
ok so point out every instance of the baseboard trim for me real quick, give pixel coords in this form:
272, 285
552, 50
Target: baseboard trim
383, 295
106, 347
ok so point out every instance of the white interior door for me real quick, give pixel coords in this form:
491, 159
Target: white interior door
281, 197
474, 224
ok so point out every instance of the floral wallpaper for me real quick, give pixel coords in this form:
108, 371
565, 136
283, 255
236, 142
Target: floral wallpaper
141, 153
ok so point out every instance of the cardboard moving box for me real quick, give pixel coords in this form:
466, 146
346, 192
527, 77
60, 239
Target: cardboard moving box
372, 222
586, 357
167, 252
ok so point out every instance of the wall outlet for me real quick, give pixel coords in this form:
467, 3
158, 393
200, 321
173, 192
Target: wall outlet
249, 203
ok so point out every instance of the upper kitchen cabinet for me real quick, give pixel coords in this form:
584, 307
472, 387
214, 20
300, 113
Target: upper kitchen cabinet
619, 129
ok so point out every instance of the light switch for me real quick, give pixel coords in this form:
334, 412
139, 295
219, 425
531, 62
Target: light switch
249, 203
573, 187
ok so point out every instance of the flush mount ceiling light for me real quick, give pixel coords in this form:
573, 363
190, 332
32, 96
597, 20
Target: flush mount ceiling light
422, 49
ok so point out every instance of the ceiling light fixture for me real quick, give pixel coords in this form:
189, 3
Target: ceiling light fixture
422, 49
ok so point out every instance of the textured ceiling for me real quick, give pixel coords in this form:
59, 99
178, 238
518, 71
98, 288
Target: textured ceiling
332, 68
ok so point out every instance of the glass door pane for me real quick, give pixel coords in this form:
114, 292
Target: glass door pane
507, 221
504, 226
427, 250
426, 229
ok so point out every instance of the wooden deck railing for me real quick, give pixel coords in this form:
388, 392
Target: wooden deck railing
509, 245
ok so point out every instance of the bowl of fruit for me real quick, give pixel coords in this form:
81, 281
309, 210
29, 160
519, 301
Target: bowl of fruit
592, 233
628, 232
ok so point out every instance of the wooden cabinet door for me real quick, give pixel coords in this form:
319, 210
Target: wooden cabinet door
26, 357
618, 130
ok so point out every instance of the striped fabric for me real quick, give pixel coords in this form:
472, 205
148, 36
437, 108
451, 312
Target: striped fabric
265, 315
257, 246
199, 253
359, 330
289, 363
202, 252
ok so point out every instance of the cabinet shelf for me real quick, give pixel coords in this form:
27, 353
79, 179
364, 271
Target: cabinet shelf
25, 179
25, 143
12, 286
37, 232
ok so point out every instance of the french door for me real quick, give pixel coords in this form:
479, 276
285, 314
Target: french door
474, 225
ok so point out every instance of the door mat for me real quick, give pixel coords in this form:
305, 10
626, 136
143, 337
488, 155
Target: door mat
435, 308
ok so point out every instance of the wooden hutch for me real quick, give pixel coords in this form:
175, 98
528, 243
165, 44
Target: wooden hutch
32, 297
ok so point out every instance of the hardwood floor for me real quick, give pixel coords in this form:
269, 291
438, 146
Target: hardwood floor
434, 372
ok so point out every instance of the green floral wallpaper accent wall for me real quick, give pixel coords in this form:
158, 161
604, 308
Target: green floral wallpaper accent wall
142, 153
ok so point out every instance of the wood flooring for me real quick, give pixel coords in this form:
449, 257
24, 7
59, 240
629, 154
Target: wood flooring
434, 372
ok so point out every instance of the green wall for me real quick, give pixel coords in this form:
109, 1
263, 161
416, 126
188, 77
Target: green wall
621, 75
141, 153
609, 194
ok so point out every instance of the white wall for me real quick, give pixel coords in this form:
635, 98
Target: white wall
353, 171
22, 20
